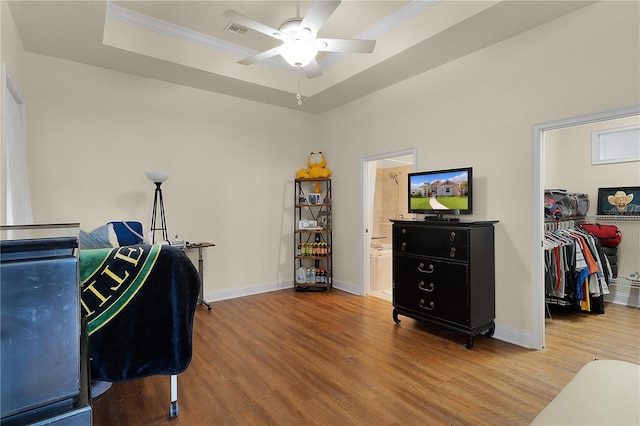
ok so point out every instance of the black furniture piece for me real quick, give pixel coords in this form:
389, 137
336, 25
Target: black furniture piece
43, 350
444, 273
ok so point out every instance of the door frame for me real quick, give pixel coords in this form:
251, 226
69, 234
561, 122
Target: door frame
537, 223
10, 91
365, 189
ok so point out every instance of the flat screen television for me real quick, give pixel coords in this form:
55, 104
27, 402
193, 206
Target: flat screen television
441, 192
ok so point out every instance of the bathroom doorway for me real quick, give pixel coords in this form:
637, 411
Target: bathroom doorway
385, 198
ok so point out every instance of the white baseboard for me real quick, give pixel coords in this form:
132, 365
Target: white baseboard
515, 337
348, 287
215, 296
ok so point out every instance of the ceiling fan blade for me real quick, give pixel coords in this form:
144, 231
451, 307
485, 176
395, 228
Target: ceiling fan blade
318, 14
345, 45
241, 19
259, 57
312, 69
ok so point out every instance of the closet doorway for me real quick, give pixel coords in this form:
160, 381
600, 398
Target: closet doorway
542, 133
384, 191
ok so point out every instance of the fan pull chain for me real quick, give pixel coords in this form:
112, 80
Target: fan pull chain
298, 95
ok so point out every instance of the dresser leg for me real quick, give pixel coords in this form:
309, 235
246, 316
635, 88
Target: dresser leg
490, 332
469, 344
395, 317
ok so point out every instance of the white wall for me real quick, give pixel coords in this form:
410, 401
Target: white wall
92, 133
480, 111
567, 161
12, 50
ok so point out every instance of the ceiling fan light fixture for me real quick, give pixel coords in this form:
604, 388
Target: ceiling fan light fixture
298, 36
298, 53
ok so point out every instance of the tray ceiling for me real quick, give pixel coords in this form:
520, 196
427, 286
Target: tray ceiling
188, 42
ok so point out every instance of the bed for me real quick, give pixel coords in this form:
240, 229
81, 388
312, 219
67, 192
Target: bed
603, 392
139, 302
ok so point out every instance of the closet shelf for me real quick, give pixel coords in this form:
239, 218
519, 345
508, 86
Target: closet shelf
615, 218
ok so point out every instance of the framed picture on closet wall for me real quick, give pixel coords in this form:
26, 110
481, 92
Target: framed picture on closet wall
619, 201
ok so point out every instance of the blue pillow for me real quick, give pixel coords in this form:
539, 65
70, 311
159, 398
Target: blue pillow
128, 233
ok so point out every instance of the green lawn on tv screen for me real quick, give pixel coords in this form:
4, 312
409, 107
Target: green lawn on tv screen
452, 203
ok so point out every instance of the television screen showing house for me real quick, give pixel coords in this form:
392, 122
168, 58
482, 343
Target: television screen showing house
439, 191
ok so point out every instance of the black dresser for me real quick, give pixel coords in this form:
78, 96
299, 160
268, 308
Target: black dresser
444, 273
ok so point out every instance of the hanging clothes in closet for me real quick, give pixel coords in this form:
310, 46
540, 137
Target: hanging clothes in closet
577, 272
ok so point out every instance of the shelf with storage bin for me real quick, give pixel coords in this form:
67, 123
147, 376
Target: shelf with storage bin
312, 235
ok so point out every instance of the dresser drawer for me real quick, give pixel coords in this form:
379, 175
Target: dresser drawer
446, 243
454, 313
432, 287
418, 275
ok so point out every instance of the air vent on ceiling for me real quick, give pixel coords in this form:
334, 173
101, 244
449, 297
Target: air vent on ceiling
235, 28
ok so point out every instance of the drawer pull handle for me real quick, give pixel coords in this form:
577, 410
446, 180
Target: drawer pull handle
403, 246
429, 307
430, 287
452, 237
452, 253
404, 231
421, 268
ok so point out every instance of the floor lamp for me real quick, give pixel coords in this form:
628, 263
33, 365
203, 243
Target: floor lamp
158, 204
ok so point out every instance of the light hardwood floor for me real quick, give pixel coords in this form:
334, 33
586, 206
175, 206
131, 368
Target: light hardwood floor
286, 358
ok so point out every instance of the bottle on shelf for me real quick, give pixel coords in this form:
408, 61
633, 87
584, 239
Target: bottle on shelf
301, 275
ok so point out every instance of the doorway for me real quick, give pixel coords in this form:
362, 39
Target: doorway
16, 200
537, 279
384, 178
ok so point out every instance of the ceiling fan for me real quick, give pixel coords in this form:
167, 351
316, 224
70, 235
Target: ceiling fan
299, 36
